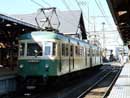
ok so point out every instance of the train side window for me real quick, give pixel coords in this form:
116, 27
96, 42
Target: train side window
88, 52
21, 49
54, 49
63, 49
76, 50
93, 52
67, 50
97, 52
71, 50
81, 51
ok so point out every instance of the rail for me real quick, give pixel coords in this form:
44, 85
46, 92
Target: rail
90, 88
107, 91
112, 83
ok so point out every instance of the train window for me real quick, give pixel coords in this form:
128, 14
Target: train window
21, 49
93, 52
71, 51
54, 49
97, 52
67, 50
76, 50
47, 49
34, 49
81, 51
88, 52
63, 49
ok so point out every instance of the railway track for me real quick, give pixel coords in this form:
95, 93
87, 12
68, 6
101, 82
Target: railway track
102, 87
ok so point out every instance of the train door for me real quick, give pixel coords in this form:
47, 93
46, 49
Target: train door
90, 55
100, 54
71, 58
86, 56
60, 58
93, 57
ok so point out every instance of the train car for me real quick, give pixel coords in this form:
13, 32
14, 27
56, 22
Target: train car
46, 55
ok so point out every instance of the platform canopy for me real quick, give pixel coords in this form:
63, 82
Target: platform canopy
10, 28
120, 10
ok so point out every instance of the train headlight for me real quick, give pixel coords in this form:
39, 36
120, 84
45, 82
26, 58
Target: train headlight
21, 66
46, 66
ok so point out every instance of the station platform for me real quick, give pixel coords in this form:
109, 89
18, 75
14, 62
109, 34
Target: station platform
7, 71
7, 80
121, 88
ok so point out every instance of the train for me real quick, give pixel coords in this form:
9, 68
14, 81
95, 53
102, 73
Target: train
45, 56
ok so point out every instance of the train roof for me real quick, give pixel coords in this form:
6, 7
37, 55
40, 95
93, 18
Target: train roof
50, 35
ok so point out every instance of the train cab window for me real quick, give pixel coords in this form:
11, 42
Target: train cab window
21, 49
49, 48
34, 49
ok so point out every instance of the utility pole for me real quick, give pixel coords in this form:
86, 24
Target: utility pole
103, 44
104, 40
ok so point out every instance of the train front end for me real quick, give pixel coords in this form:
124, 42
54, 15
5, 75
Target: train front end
36, 59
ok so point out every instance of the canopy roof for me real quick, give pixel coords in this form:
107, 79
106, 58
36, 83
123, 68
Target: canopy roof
120, 10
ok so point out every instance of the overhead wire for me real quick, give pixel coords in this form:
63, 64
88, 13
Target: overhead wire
104, 13
81, 10
37, 3
46, 3
99, 5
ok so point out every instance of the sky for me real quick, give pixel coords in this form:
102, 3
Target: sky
95, 13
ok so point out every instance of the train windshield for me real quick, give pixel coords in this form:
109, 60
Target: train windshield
34, 49
21, 49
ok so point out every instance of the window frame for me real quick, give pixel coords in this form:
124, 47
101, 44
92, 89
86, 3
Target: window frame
34, 43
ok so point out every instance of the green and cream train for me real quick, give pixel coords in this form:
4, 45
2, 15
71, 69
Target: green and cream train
44, 55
